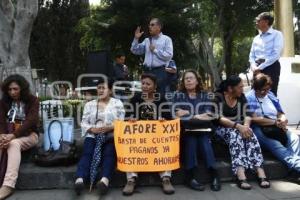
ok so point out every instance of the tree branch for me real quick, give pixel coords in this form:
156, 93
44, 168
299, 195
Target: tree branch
220, 17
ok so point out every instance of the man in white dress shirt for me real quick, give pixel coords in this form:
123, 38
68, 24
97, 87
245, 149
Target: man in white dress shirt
266, 49
158, 50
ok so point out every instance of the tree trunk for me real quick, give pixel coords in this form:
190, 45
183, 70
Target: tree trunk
228, 56
211, 60
16, 21
205, 58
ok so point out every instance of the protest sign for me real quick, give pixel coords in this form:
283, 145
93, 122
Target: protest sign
147, 146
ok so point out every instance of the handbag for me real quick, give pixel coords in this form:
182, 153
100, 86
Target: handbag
66, 154
68, 132
273, 131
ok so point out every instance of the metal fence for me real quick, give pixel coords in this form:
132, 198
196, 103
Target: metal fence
49, 110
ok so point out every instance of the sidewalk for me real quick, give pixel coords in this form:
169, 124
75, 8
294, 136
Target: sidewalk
279, 190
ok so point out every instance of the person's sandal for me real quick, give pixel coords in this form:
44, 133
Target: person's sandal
241, 182
261, 180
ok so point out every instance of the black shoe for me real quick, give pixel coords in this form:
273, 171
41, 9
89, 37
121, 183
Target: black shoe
294, 177
78, 187
195, 185
103, 189
215, 184
215, 180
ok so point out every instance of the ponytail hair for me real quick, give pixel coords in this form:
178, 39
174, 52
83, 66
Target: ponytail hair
222, 87
231, 81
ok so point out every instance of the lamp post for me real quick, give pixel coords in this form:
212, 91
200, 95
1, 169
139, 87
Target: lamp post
45, 84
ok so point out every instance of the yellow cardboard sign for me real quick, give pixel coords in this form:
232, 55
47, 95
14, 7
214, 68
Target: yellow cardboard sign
147, 146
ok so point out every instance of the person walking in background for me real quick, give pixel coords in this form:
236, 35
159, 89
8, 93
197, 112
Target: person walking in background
266, 49
158, 50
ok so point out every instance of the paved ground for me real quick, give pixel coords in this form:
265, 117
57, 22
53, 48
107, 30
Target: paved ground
279, 190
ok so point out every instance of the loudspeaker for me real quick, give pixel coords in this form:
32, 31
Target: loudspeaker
98, 63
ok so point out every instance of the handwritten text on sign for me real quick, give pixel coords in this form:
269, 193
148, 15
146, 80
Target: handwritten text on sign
147, 146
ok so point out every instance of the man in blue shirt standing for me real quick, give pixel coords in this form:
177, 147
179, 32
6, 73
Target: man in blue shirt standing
158, 50
266, 49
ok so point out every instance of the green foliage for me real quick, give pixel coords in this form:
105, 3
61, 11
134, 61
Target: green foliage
237, 24
44, 98
54, 42
65, 31
111, 26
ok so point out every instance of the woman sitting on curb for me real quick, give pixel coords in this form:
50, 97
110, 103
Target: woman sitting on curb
146, 107
234, 128
98, 117
268, 112
18, 105
192, 103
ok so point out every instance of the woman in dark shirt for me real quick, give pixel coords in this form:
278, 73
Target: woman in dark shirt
148, 105
234, 128
192, 104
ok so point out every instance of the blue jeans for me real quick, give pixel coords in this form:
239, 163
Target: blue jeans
108, 162
194, 143
289, 155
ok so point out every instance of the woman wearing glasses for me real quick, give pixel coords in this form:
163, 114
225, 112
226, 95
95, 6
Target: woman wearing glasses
268, 112
234, 128
192, 104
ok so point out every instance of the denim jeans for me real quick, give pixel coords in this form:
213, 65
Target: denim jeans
194, 144
289, 155
107, 165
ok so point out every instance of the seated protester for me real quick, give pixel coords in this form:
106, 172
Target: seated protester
191, 104
18, 105
233, 126
283, 144
146, 107
97, 127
